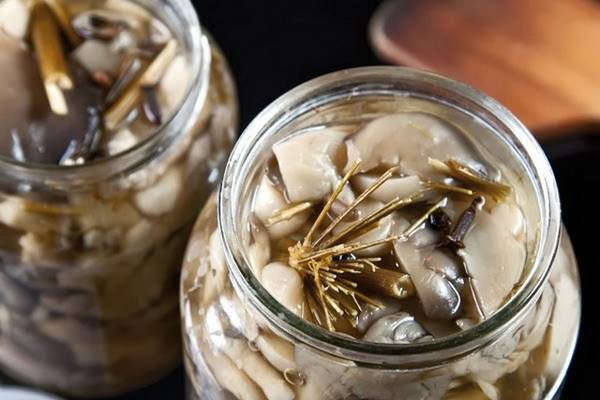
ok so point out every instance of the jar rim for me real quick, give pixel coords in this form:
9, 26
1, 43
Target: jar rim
312, 95
199, 50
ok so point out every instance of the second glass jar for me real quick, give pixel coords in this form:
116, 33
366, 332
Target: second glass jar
90, 254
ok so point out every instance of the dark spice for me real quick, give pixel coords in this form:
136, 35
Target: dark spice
94, 25
102, 79
464, 223
440, 221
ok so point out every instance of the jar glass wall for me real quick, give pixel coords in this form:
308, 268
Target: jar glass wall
241, 343
91, 253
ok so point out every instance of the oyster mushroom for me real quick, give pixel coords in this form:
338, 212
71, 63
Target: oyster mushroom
444, 264
406, 139
308, 164
364, 209
397, 328
439, 298
267, 201
394, 187
285, 285
493, 258
370, 314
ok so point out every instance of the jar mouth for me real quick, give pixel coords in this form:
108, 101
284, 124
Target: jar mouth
180, 16
397, 81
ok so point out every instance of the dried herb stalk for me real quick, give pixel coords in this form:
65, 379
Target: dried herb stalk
466, 174
133, 94
64, 19
48, 46
337, 280
287, 213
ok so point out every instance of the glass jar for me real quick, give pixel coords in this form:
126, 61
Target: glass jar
91, 253
240, 343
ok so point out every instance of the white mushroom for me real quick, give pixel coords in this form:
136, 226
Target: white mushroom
285, 285
14, 18
267, 201
104, 214
394, 187
493, 258
238, 316
15, 214
129, 10
96, 55
321, 373
259, 370
512, 216
140, 236
406, 139
160, 198
121, 141
230, 378
308, 164
174, 84
259, 252
279, 352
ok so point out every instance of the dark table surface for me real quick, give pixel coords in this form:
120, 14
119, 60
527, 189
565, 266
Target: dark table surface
275, 45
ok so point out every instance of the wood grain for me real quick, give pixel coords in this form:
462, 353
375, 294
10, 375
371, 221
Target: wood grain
540, 58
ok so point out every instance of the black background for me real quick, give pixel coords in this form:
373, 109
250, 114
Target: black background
273, 46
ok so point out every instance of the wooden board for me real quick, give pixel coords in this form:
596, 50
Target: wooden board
540, 58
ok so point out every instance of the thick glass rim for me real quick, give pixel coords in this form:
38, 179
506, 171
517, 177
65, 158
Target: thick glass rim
326, 89
199, 51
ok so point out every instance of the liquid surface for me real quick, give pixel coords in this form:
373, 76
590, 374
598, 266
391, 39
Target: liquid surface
394, 231
84, 80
